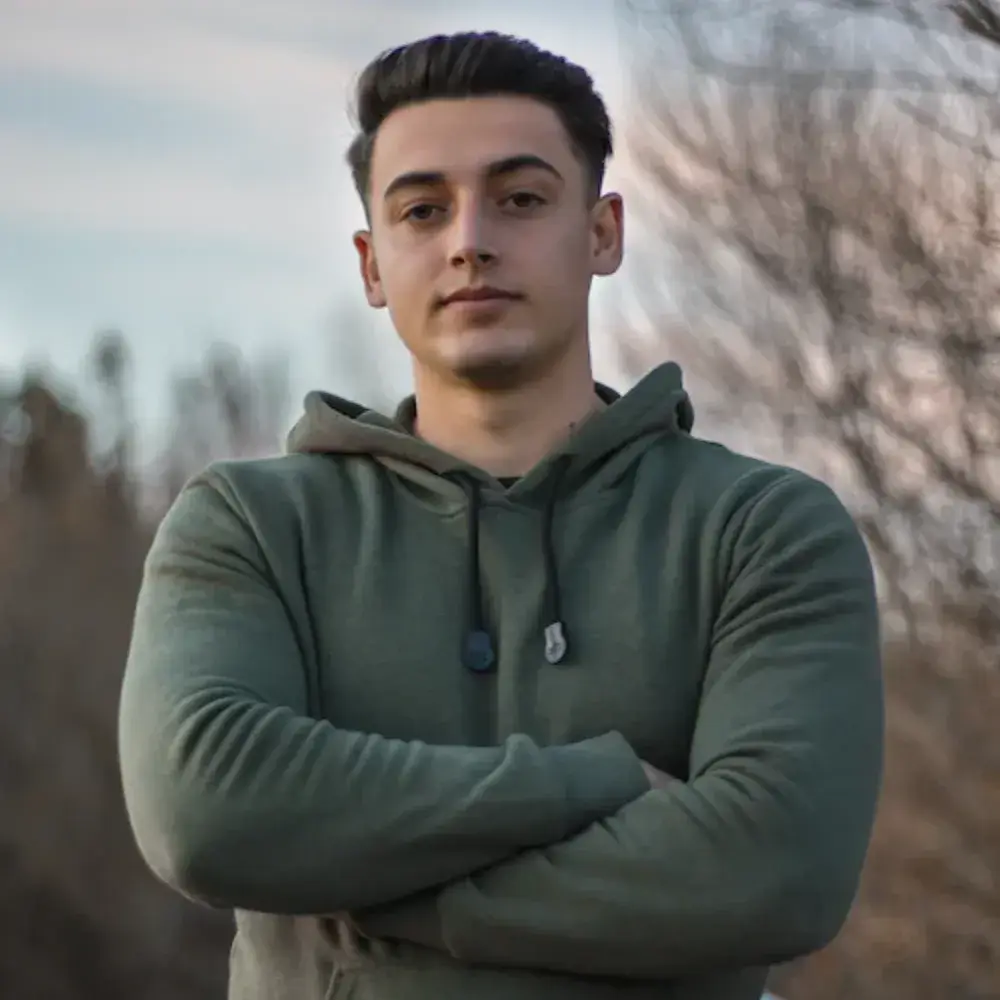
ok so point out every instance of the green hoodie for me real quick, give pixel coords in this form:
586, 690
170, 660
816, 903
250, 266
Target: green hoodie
392, 712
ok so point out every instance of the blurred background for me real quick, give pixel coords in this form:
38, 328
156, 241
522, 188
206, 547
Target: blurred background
813, 233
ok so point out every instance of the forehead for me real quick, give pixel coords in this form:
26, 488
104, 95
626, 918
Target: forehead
461, 137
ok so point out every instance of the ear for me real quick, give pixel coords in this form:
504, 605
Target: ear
607, 234
369, 269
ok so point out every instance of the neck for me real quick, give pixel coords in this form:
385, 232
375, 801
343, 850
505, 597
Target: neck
504, 433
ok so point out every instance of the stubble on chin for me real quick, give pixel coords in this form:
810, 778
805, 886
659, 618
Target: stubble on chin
503, 365
497, 374
494, 367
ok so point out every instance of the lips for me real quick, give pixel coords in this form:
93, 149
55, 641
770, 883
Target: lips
471, 295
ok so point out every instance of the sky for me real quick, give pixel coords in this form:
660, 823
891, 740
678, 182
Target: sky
175, 169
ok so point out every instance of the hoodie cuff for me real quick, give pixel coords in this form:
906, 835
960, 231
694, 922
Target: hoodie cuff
602, 775
415, 920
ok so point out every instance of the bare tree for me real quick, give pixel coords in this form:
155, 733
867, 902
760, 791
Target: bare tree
229, 406
71, 557
358, 363
824, 262
110, 361
833, 277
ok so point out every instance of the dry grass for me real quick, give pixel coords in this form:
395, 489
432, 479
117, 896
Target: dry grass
80, 915
927, 920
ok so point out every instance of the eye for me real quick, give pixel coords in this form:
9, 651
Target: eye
525, 199
422, 212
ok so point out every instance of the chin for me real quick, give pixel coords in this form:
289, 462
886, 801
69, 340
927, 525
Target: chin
496, 361
496, 373
498, 370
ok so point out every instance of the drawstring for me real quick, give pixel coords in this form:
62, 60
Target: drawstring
478, 653
555, 631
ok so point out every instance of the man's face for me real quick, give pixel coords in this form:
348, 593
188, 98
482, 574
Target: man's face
485, 197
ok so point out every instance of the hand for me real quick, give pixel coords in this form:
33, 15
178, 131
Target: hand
658, 780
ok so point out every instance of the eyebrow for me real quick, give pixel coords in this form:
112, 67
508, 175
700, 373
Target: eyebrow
499, 168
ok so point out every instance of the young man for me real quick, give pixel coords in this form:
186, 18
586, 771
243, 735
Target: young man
526, 693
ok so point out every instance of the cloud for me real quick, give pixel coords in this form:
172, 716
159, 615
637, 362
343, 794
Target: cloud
155, 118
59, 183
161, 50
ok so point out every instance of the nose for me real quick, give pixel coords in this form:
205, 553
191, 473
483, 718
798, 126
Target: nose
472, 242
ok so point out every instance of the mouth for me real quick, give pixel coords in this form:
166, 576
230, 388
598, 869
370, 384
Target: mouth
479, 296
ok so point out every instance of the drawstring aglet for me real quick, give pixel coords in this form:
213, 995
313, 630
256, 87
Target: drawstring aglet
555, 642
478, 654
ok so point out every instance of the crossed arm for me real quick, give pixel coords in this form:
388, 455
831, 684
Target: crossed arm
239, 799
555, 858
756, 858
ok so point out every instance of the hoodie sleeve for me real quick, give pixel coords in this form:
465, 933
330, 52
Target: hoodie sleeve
756, 858
237, 798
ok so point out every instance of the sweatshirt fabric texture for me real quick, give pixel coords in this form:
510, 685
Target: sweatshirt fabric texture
391, 712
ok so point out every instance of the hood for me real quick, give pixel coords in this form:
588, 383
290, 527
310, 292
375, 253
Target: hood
657, 406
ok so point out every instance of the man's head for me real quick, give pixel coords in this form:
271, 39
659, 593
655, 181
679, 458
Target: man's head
480, 160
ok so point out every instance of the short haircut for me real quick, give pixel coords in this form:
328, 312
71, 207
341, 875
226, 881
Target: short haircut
479, 64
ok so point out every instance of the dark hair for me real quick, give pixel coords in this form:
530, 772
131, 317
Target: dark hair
479, 64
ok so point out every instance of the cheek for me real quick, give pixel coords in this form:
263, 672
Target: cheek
404, 280
571, 247
560, 266
400, 289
